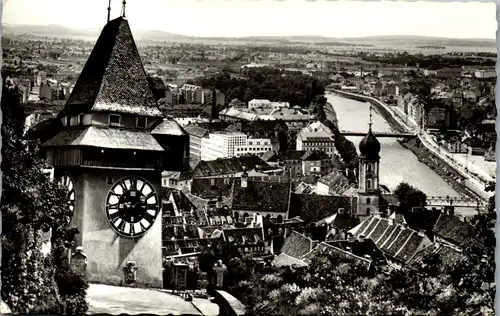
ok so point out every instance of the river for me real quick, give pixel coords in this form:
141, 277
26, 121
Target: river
397, 163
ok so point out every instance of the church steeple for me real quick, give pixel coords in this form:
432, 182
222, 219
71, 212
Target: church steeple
369, 161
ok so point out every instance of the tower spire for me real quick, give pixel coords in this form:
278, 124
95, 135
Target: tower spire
123, 7
109, 10
370, 123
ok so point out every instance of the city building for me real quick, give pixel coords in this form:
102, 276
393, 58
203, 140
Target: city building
107, 155
483, 74
191, 94
256, 103
224, 144
317, 136
369, 187
48, 90
301, 162
196, 134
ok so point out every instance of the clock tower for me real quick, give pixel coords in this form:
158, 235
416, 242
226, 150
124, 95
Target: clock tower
369, 187
112, 148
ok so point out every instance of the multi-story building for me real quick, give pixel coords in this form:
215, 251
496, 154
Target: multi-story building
192, 94
221, 145
171, 94
485, 73
232, 144
255, 103
316, 136
196, 134
254, 146
48, 90
40, 77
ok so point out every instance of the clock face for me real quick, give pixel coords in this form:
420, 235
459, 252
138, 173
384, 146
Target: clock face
69, 184
132, 206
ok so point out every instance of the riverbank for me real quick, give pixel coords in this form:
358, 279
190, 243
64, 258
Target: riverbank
396, 123
449, 175
382, 110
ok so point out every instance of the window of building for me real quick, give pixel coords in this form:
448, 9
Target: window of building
369, 167
141, 122
368, 211
369, 184
80, 119
68, 120
212, 181
114, 120
368, 200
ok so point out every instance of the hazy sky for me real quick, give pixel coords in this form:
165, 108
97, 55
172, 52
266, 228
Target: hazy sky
267, 17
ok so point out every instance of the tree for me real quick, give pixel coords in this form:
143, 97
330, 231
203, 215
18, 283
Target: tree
409, 196
32, 206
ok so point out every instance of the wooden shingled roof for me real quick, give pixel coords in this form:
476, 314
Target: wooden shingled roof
113, 79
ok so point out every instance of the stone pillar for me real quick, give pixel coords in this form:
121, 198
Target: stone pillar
79, 260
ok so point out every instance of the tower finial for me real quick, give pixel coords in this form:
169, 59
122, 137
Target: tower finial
123, 8
109, 10
370, 123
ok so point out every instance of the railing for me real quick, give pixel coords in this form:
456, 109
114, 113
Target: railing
454, 201
228, 304
383, 134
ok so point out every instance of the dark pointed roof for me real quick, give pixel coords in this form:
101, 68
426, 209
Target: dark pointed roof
113, 79
369, 146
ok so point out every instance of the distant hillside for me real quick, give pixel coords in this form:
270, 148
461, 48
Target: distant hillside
61, 31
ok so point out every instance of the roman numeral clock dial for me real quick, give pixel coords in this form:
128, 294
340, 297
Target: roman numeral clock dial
67, 182
132, 206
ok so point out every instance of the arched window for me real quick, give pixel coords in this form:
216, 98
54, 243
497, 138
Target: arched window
245, 216
369, 184
368, 211
369, 167
368, 200
280, 219
268, 216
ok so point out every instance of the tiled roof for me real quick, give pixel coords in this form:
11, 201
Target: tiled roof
364, 249
242, 236
261, 196
313, 208
335, 180
113, 138
196, 131
324, 247
297, 245
228, 166
113, 79
395, 240
340, 221
168, 127
204, 188
315, 155
448, 255
270, 156
452, 229
179, 231
178, 175
283, 260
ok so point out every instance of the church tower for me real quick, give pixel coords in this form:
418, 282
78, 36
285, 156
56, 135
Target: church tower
369, 161
112, 148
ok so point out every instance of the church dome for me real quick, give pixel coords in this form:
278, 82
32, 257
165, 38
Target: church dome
369, 146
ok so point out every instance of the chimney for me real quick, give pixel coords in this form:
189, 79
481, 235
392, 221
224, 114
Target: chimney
361, 238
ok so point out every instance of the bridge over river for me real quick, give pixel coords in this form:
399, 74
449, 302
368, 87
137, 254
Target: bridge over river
454, 201
377, 134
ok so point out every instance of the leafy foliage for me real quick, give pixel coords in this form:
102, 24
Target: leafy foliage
409, 196
267, 83
32, 206
334, 285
